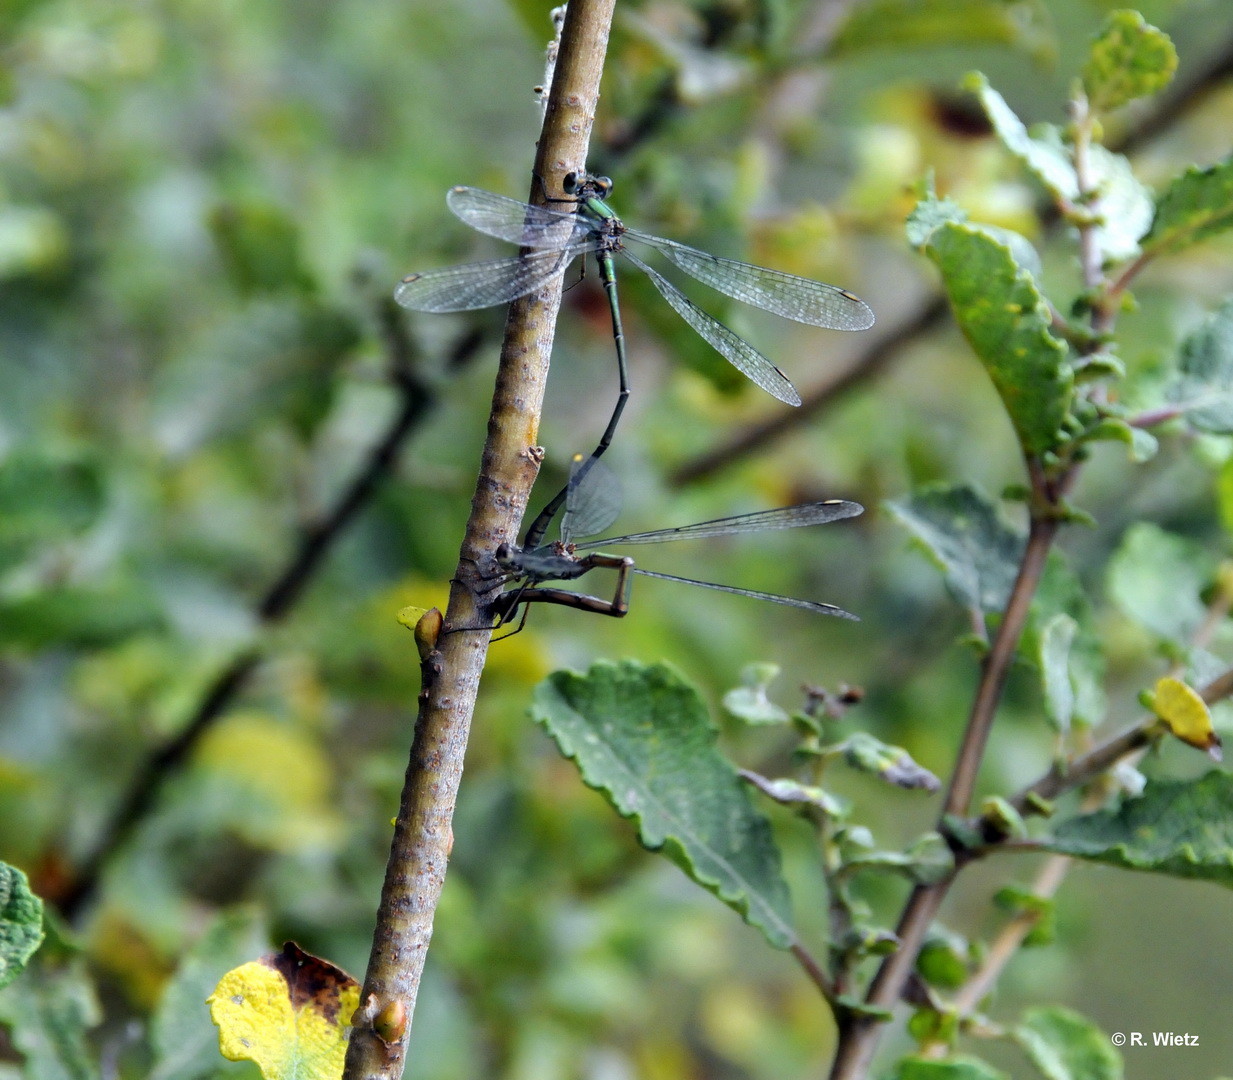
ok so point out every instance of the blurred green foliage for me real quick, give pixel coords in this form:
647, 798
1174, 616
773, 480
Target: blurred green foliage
203, 210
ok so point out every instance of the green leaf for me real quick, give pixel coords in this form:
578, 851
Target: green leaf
1124, 204
1183, 828
1019, 901
183, 1039
641, 735
1142, 445
1006, 321
1129, 59
1196, 205
900, 24
1064, 1045
48, 1012
1046, 158
45, 499
1204, 387
890, 763
945, 959
955, 1068
1156, 578
749, 701
1054, 641
964, 536
21, 923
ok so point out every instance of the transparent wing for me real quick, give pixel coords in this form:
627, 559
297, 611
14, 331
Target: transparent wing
733, 348
798, 298
518, 222
784, 517
483, 284
593, 500
789, 601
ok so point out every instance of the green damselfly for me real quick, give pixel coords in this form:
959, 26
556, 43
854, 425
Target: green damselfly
556, 237
592, 504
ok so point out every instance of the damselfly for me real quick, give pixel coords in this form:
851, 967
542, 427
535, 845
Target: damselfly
557, 236
594, 507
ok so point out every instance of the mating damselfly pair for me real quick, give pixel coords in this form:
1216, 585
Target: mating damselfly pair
554, 238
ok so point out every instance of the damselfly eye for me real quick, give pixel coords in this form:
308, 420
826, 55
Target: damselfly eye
604, 184
502, 554
570, 184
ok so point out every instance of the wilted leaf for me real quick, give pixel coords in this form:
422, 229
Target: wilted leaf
1196, 205
1156, 578
891, 763
181, 1035
1129, 59
1204, 387
641, 735
21, 923
963, 535
1179, 827
1006, 321
1186, 714
288, 1012
1064, 1045
793, 793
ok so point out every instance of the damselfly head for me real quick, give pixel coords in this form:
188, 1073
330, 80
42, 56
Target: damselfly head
503, 555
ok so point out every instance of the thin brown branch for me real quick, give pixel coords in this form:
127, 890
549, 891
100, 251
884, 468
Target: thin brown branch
419, 851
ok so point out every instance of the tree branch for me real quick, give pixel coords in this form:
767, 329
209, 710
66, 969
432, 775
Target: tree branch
419, 851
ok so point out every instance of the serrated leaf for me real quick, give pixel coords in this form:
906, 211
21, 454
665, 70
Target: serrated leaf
21, 923
1186, 714
1196, 205
641, 736
955, 1068
1156, 578
289, 1012
901, 24
1204, 386
1065, 1045
964, 536
1006, 321
1047, 159
181, 1034
890, 763
1129, 59
1183, 828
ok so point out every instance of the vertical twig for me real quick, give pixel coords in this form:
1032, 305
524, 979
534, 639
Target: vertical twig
422, 834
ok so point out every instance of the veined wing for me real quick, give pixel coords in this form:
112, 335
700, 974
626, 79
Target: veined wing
518, 222
733, 348
783, 517
483, 284
593, 500
788, 601
798, 298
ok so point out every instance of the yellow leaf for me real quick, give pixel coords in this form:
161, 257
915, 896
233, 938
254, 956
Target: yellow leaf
288, 1012
1186, 715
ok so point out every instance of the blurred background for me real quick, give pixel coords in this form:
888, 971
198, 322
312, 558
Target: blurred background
204, 208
